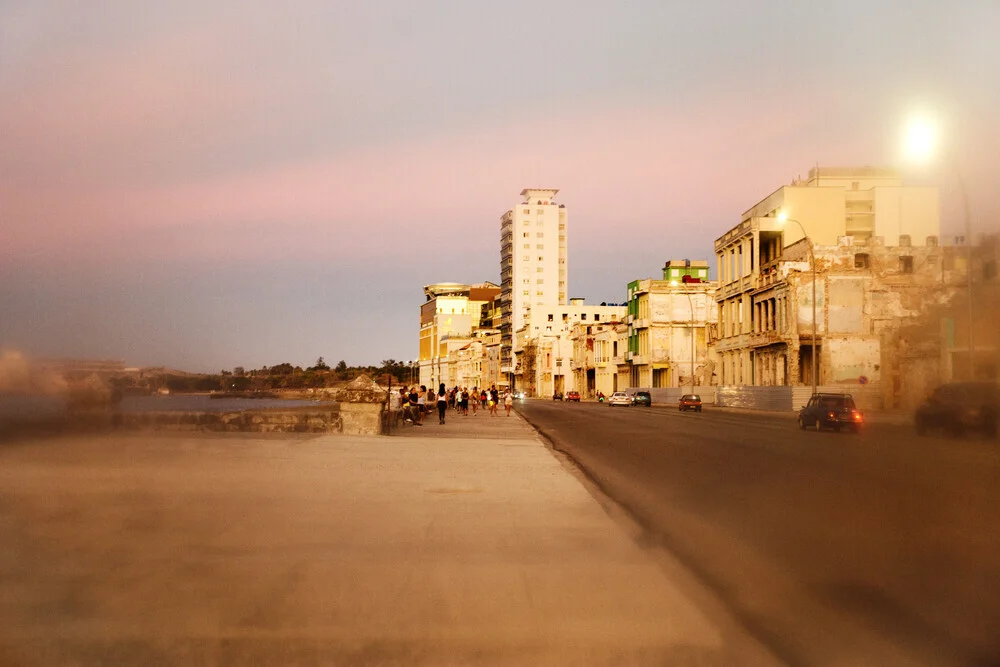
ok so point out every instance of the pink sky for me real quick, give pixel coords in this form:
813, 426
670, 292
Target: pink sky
207, 138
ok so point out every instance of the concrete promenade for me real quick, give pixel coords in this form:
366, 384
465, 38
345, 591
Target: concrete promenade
464, 544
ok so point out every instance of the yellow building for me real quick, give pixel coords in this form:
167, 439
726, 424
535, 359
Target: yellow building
450, 313
668, 323
868, 238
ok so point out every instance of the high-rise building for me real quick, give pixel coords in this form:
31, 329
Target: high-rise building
533, 264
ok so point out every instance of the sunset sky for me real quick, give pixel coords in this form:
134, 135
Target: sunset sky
213, 184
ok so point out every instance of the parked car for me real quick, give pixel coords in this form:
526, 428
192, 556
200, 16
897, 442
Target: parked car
642, 398
557, 396
689, 402
834, 411
958, 407
620, 398
573, 396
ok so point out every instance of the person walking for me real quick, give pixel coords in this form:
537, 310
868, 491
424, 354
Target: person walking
474, 400
508, 401
494, 400
442, 403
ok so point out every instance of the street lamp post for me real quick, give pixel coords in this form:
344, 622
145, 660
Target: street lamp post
812, 260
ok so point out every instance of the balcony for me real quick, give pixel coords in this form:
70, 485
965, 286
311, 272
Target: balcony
640, 323
639, 359
739, 286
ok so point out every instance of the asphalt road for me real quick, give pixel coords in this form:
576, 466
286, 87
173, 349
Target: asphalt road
875, 549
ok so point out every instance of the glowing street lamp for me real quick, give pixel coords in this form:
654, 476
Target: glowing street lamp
920, 143
783, 218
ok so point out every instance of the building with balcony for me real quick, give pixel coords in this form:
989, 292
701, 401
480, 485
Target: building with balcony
668, 324
533, 264
593, 363
544, 349
872, 244
449, 316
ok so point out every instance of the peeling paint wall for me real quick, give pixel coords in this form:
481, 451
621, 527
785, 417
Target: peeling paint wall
853, 358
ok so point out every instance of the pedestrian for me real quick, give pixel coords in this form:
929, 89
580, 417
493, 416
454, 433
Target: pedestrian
442, 403
416, 409
508, 401
474, 400
422, 401
465, 401
494, 400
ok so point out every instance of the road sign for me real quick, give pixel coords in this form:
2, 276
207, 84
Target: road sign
863, 379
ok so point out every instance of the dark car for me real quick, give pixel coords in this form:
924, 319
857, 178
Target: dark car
557, 396
834, 411
642, 398
573, 396
958, 407
689, 402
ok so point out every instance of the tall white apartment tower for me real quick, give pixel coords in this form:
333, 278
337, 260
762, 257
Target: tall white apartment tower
533, 264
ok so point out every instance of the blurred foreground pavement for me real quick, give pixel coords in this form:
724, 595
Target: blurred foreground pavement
468, 543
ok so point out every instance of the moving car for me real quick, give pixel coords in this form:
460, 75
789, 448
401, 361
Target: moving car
573, 396
834, 411
958, 407
620, 398
642, 398
689, 402
557, 396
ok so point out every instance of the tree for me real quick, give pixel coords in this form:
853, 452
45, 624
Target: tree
342, 366
320, 365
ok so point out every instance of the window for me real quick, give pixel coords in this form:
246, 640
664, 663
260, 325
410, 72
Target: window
597, 317
540, 235
527, 246
904, 240
551, 317
540, 246
527, 211
526, 292
861, 260
539, 269
524, 258
990, 270
906, 263
583, 316
540, 281
541, 259
525, 234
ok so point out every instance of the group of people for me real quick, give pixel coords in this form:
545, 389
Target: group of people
415, 402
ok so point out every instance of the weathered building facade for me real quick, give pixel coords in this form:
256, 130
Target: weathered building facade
544, 350
839, 282
668, 321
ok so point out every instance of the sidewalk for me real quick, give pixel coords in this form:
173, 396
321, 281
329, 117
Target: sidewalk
463, 544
